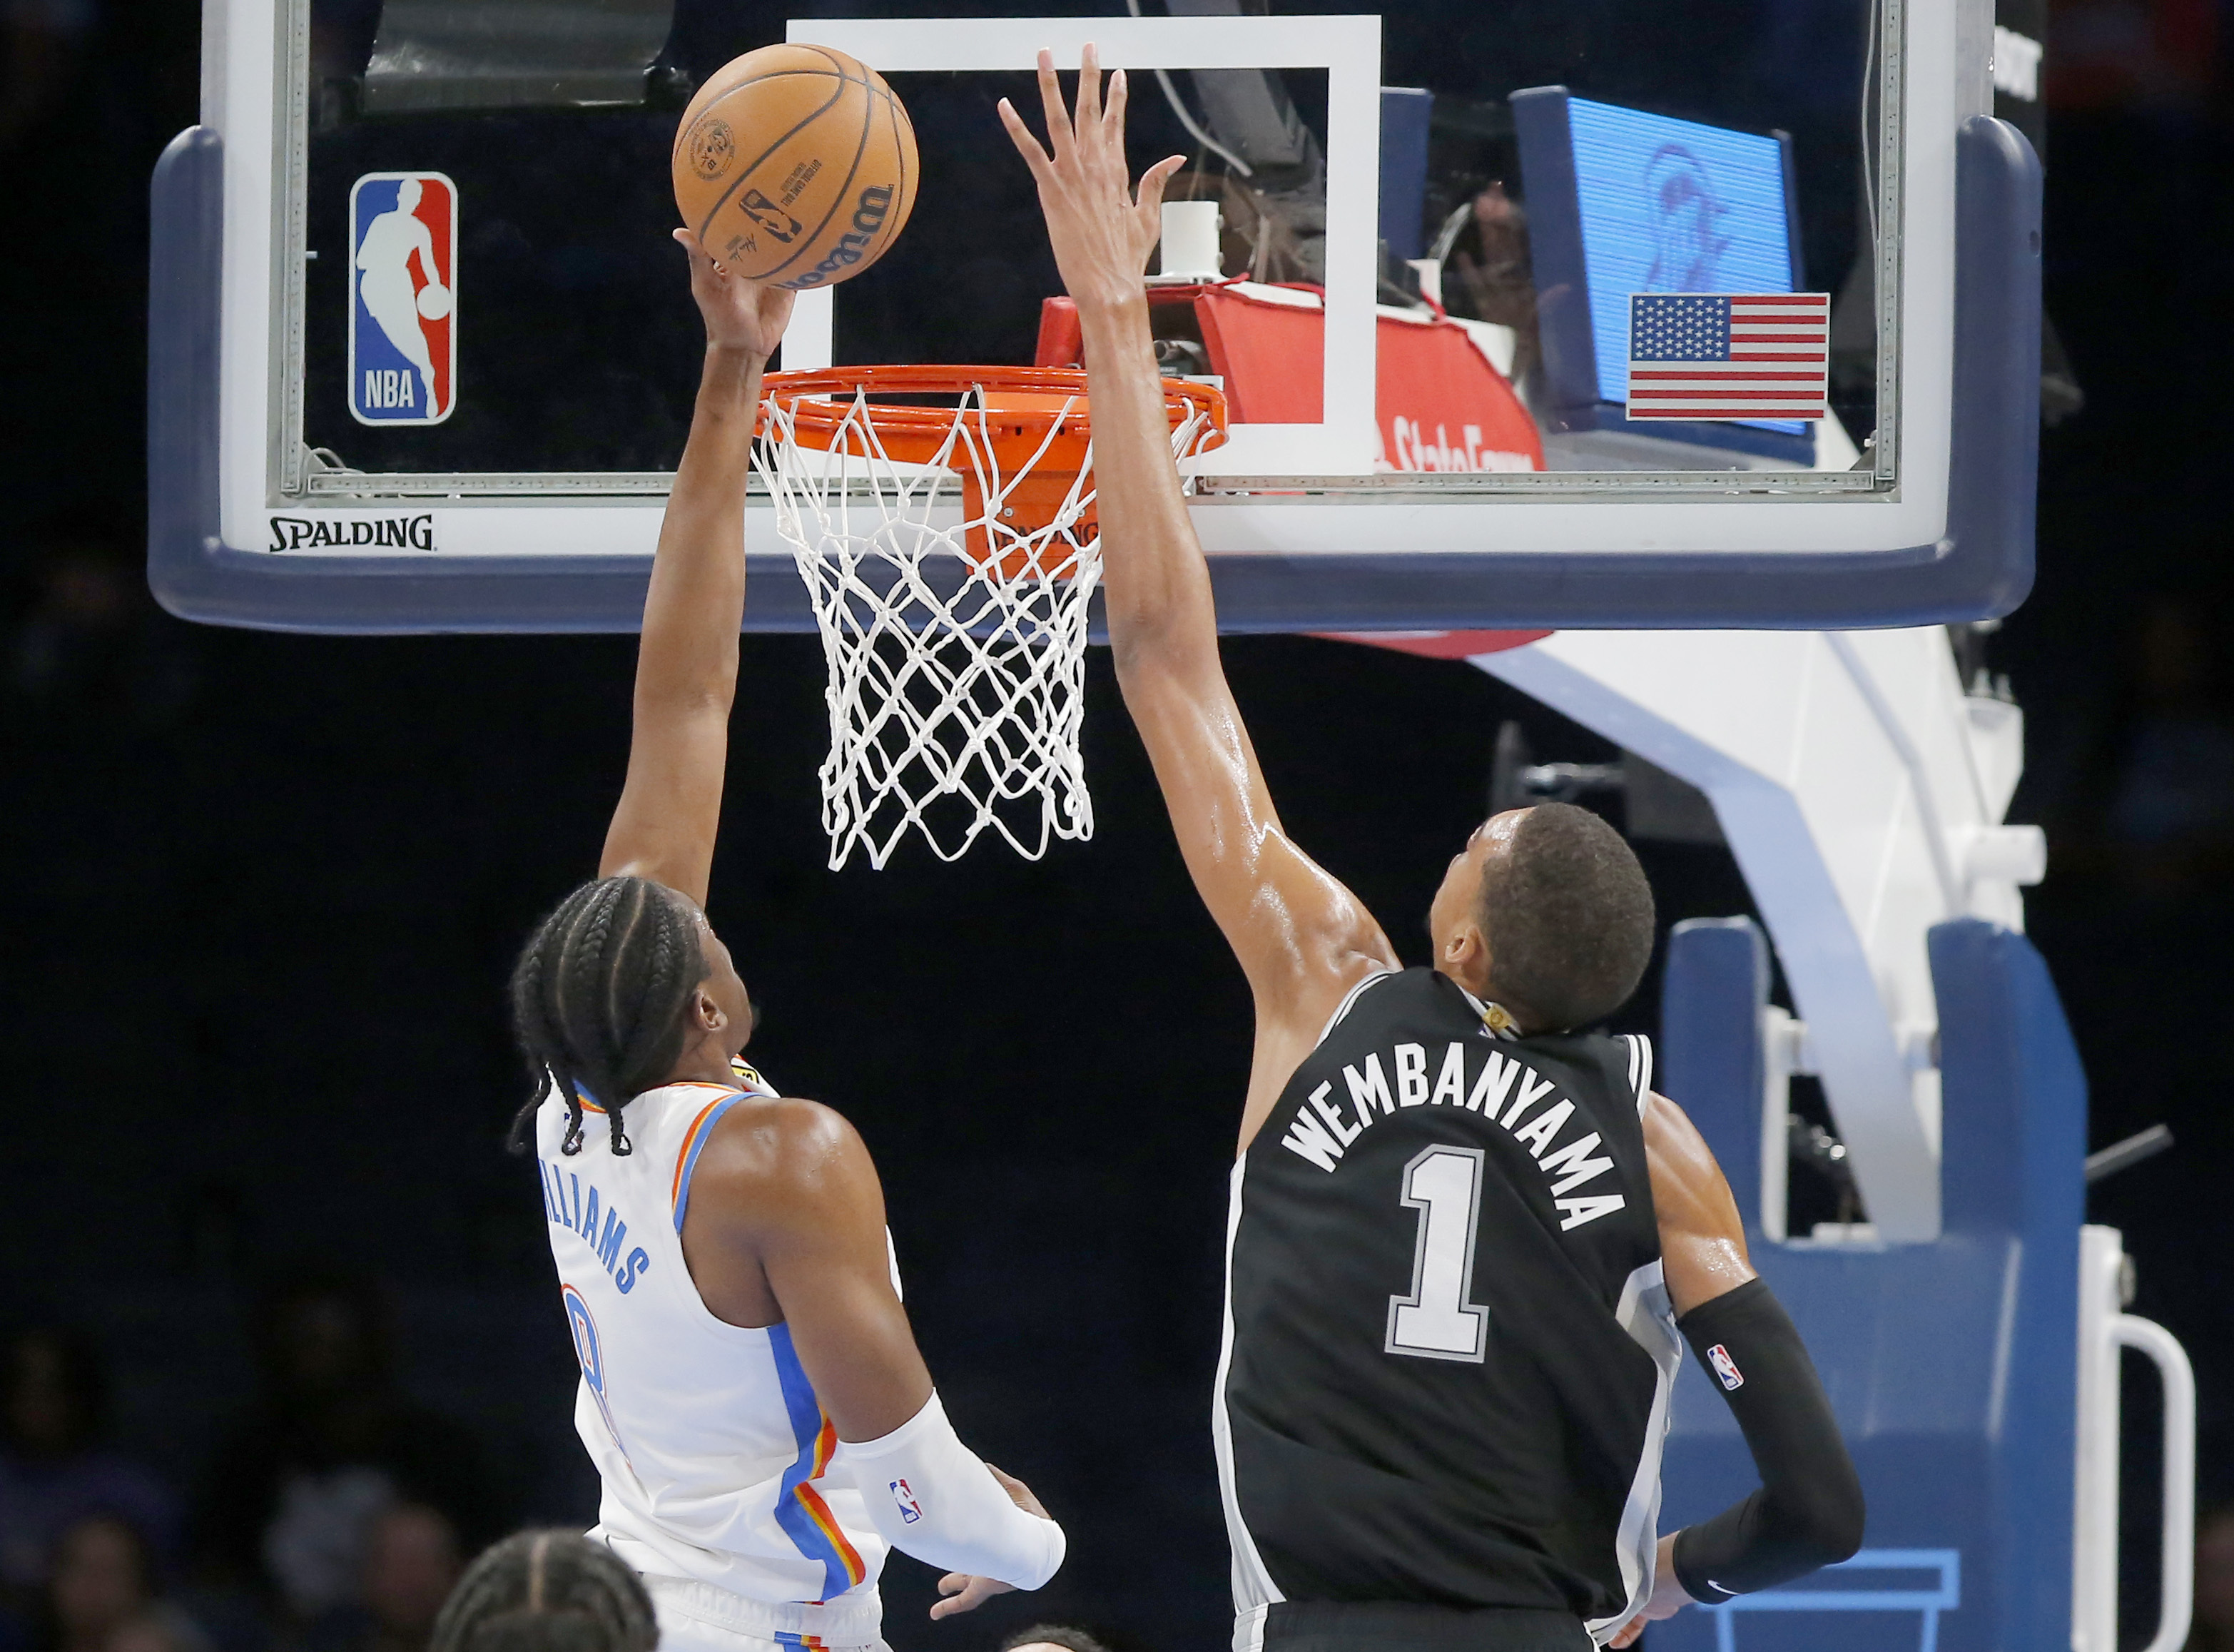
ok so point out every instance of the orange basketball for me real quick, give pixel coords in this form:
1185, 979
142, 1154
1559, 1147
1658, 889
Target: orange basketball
795, 165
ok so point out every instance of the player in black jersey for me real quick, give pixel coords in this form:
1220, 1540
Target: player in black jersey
1463, 1236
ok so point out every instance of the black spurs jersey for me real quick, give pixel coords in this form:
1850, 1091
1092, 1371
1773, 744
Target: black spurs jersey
1448, 1344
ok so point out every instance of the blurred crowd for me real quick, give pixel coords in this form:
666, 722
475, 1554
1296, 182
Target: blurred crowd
334, 1516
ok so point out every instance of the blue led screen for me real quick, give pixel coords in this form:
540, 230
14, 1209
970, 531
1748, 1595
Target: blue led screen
1672, 205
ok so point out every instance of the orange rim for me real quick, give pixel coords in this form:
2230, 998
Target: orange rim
1031, 414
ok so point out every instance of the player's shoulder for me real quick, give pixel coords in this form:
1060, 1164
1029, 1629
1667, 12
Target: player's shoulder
766, 1147
1374, 988
1419, 997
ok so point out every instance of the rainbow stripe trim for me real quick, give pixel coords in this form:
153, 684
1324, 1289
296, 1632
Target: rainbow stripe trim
800, 1510
694, 1143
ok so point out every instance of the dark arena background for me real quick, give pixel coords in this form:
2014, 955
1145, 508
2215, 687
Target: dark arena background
264, 891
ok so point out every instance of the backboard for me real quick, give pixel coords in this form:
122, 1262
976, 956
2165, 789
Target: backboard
1447, 232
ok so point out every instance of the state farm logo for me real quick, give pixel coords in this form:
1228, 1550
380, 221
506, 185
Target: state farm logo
713, 146
360, 533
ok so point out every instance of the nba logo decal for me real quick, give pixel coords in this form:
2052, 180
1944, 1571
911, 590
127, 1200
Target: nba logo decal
1725, 1369
403, 298
911, 1511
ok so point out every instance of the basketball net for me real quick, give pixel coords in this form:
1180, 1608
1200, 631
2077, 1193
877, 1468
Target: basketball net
953, 618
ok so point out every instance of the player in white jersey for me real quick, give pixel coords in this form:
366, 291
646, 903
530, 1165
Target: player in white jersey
751, 1394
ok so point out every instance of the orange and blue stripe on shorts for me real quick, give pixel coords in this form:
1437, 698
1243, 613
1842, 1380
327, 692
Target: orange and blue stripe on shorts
800, 1510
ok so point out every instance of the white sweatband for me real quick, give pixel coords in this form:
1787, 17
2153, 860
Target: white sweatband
930, 1495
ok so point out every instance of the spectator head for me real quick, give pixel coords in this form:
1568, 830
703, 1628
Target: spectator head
547, 1591
103, 1578
1051, 1637
323, 1335
411, 1564
145, 1633
157, 1631
57, 1401
2214, 1581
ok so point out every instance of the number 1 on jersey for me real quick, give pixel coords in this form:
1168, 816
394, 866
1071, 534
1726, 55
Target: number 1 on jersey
1436, 1321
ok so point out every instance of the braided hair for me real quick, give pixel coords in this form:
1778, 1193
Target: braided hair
598, 1000
1062, 1635
546, 1591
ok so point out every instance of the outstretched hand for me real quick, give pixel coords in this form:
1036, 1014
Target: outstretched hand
960, 1591
748, 316
1102, 231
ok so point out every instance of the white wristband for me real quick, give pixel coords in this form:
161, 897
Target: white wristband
930, 1495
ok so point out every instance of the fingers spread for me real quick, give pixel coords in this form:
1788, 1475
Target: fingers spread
1021, 135
1089, 89
1058, 118
1152, 182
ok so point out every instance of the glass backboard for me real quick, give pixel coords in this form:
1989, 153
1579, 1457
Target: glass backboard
1468, 255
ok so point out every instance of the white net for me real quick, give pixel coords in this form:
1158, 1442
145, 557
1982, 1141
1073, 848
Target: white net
953, 619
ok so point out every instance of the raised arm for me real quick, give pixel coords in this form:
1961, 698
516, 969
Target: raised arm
1807, 1512
686, 669
1303, 938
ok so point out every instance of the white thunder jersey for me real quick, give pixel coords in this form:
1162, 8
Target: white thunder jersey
719, 1465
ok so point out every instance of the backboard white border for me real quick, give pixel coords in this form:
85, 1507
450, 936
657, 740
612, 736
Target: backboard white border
1346, 48
246, 69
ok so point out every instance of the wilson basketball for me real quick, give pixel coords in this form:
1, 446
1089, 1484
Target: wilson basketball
795, 165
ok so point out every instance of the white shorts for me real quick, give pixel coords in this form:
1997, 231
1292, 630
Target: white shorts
698, 1618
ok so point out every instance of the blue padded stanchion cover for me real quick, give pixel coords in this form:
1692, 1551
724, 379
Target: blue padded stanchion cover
1953, 1365
1711, 1059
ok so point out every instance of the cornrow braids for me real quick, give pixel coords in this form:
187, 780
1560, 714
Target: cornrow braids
547, 1591
598, 999
1062, 1635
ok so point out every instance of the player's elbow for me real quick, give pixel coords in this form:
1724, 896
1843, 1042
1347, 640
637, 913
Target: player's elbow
1141, 637
706, 694
1824, 1518
1163, 653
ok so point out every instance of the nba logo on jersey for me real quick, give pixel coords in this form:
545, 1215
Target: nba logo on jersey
404, 302
911, 1511
1725, 1369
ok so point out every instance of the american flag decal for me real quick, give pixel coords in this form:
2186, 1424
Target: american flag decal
1729, 355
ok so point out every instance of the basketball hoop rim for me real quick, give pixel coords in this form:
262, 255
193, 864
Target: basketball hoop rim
814, 421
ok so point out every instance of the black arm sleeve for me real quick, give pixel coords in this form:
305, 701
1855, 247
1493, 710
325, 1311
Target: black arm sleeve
1808, 1510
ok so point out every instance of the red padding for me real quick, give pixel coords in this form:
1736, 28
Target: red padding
1442, 406
1061, 342
1269, 354
1439, 404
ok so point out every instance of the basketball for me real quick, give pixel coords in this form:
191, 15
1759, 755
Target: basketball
795, 165
434, 301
